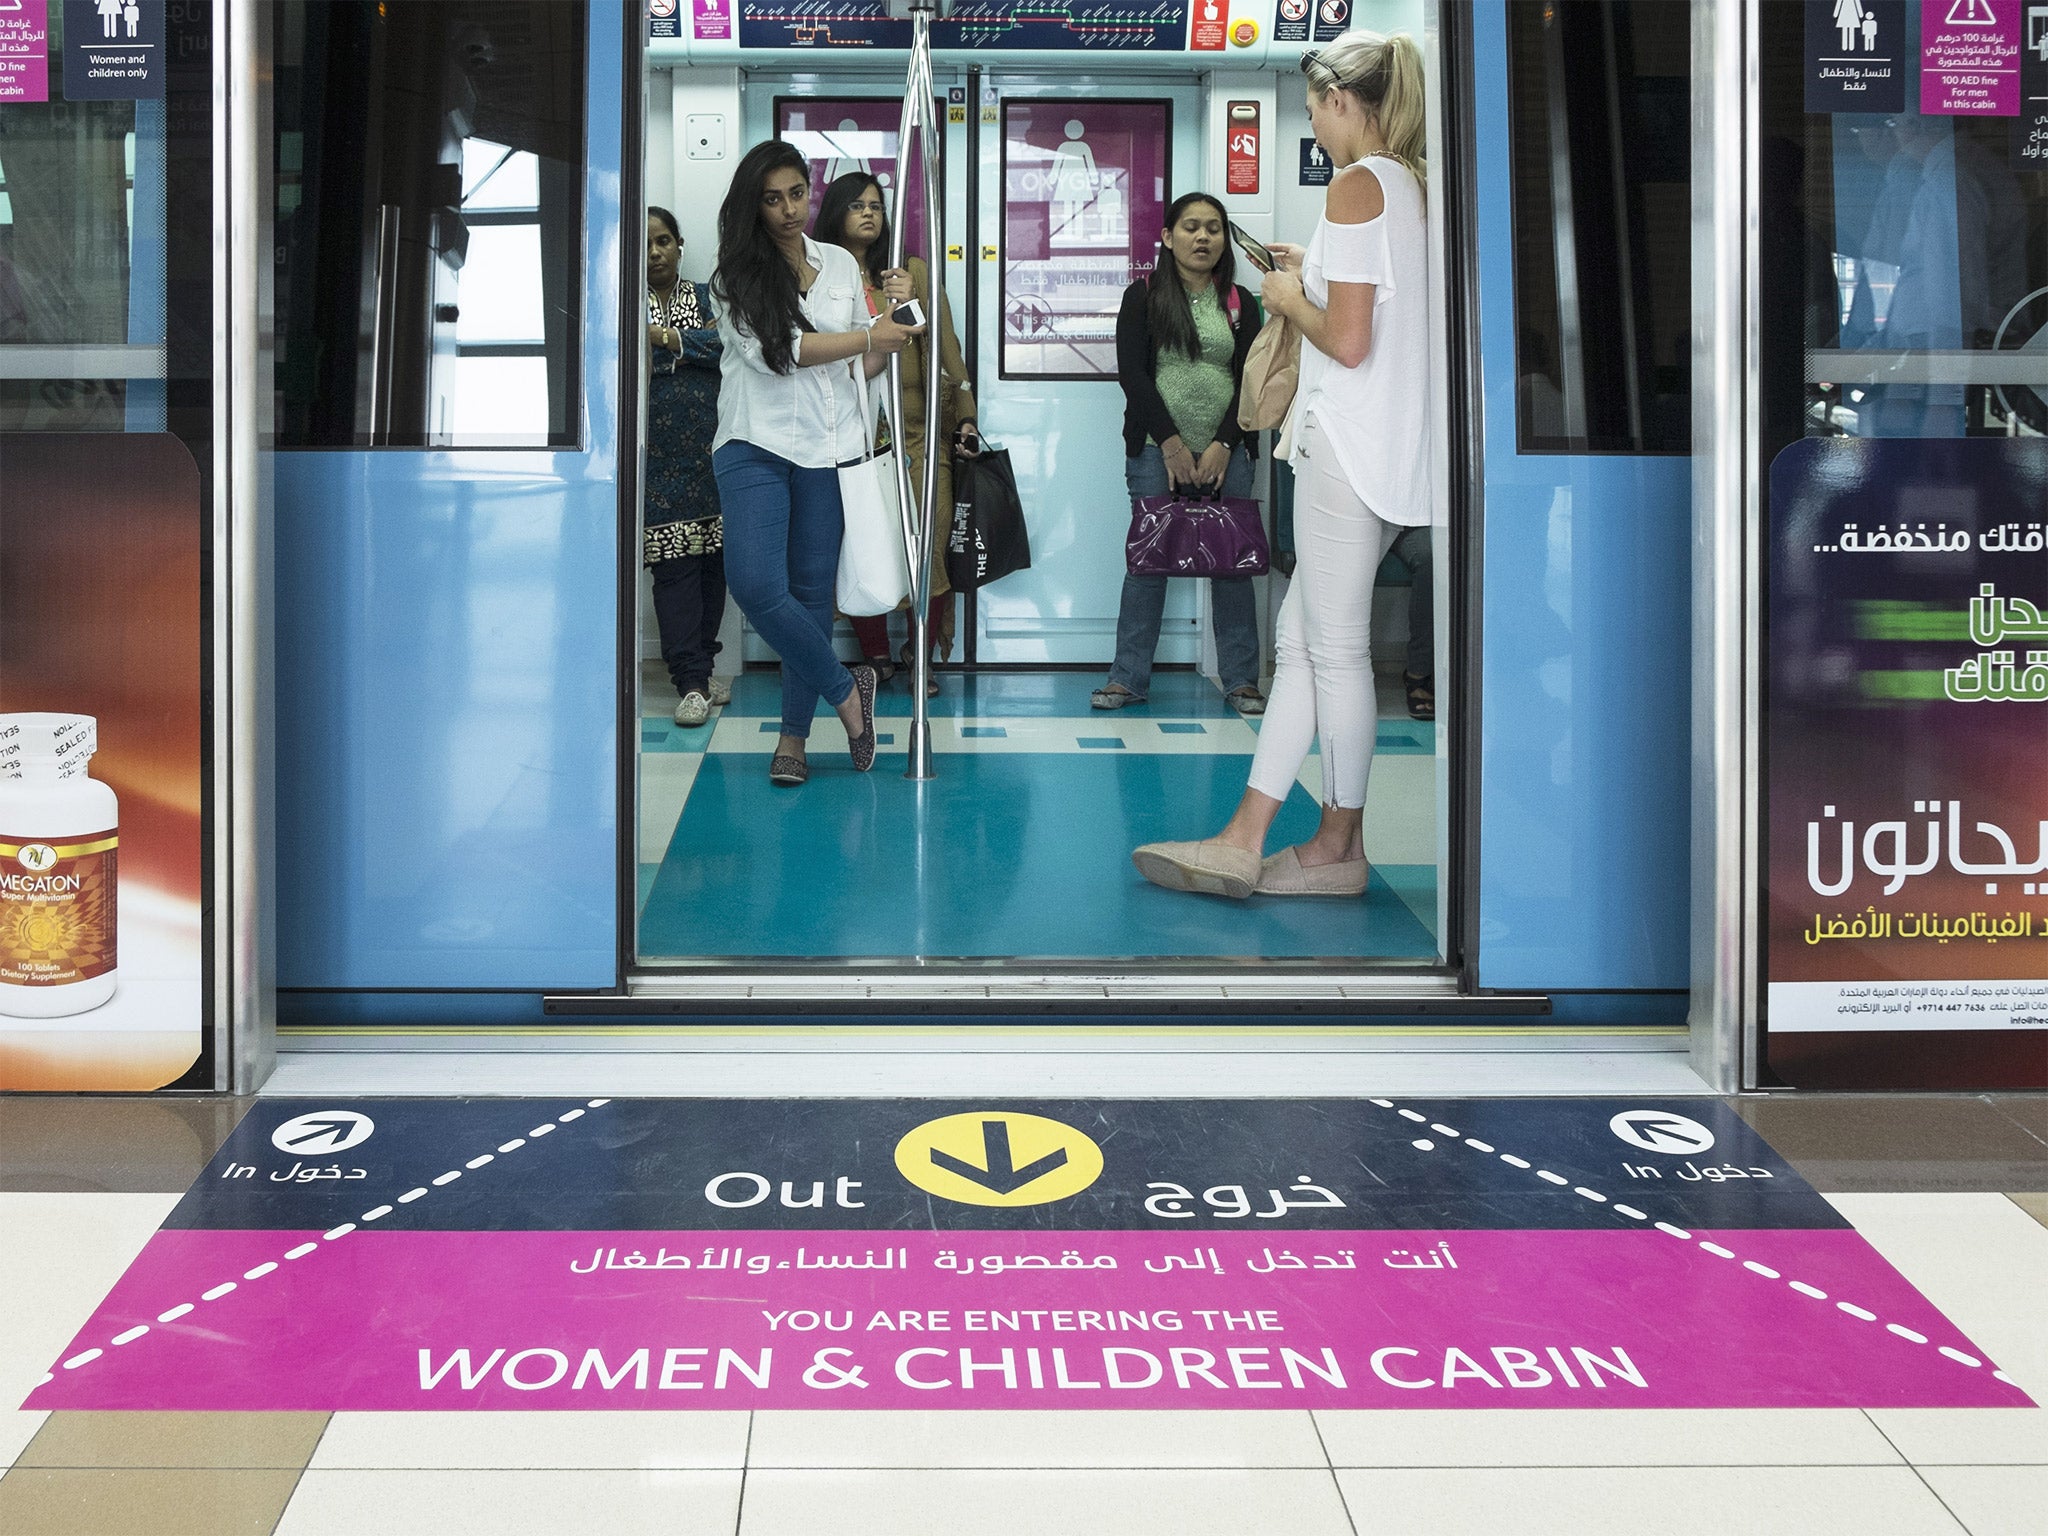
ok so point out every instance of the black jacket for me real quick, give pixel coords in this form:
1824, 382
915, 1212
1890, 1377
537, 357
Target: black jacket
1145, 413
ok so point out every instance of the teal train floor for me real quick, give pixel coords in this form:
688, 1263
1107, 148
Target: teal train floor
1019, 847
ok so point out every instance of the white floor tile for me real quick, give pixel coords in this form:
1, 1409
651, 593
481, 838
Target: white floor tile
495, 1503
1104, 1439
665, 780
1185, 1503
1994, 1501
1630, 1501
534, 1441
61, 1254
1984, 1262
1593, 1437
17, 1428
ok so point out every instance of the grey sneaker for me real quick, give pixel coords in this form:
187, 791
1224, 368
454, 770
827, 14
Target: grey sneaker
719, 693
694, 709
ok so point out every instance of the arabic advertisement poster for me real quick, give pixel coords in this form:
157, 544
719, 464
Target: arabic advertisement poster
658, 1253
1084, 201
1907, 723
1857, 56
842, 134
25, 51
100, 606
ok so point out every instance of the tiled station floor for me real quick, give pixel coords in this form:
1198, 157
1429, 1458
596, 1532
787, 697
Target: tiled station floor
1952, 1191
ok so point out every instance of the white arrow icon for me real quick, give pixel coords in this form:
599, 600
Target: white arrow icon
323, 1133
1658, 1130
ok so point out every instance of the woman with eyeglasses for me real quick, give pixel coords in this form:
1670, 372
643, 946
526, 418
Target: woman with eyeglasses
852, 215
799, 346
1358, 438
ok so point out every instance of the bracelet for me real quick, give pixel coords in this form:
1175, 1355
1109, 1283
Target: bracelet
868, 341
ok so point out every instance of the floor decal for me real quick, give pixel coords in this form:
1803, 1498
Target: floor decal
662, 1253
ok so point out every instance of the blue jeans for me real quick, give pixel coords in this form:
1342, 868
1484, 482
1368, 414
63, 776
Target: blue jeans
782, 531
1412, 545
1232, 599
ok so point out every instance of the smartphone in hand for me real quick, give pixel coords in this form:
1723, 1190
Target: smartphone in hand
909, 312
1253, 252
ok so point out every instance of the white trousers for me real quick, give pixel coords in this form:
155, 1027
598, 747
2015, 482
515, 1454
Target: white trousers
1322, 674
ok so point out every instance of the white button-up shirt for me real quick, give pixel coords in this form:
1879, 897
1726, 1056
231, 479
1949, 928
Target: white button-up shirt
814, 417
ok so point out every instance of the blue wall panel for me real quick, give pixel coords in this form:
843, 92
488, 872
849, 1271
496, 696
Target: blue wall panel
1586, 674
447, 665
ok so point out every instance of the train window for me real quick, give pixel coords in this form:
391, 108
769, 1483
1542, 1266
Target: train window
1084, 198
430, 219
1600, 102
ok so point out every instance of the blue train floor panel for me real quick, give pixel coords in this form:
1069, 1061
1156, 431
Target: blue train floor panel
876, 1254
1019, 847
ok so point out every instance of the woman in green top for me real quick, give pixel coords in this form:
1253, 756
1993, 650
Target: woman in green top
1181, 340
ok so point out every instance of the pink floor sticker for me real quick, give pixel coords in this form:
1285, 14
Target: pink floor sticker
406, 1319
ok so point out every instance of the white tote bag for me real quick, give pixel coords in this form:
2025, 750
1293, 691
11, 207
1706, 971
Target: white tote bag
874, 576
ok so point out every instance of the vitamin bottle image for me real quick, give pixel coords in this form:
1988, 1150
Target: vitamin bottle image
59, 832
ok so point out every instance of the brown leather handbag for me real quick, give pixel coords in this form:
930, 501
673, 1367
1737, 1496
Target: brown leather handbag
1272, 369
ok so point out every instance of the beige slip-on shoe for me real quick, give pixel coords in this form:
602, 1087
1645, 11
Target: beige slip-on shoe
1211, 868
1285, 875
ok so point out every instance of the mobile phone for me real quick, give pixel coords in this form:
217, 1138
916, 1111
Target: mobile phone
909, 312
1254, 252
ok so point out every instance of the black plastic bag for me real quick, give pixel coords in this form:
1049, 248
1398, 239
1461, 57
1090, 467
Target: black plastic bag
988, 541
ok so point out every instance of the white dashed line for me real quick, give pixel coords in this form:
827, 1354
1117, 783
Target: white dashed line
1850, 1308
374, 1214
1409, 1114
1423, 1145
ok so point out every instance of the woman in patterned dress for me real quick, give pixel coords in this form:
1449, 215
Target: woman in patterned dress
683, 541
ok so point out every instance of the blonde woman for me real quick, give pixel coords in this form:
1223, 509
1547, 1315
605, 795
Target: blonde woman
1358, 437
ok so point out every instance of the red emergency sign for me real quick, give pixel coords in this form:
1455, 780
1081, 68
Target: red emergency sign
1241, 148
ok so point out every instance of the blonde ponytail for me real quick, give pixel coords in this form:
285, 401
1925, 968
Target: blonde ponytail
1386, 75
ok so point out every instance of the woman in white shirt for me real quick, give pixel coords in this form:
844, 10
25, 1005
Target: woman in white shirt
799, 345
1358, 437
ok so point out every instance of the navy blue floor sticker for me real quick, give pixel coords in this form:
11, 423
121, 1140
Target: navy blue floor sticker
660, 1253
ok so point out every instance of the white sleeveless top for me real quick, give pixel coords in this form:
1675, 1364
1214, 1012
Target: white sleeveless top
1376, 417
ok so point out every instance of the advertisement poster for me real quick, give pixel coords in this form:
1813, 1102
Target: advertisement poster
100, 606
1907, 729
1970, 57
1084, 200
25, 51
874, 1255
839, 134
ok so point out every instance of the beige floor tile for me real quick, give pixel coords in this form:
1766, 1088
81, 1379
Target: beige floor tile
1183, 1503
57, 1501
17, 1428
1994, 1501
62, 1253
1671, 1501
623, 1442
1594, 1437
653, 1503
2035, 1205
276, 1441
1168, 1438
1984, 1262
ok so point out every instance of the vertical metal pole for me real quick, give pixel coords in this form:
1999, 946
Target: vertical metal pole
917, 510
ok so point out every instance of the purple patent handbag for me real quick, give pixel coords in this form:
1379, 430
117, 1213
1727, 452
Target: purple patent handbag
1186, 534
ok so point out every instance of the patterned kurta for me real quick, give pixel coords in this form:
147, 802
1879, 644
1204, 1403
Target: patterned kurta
680, 505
